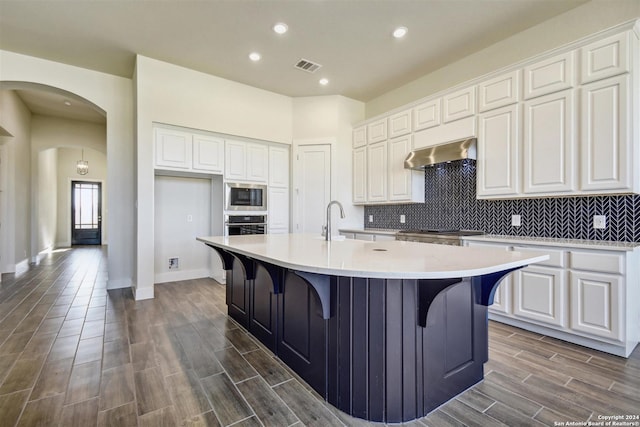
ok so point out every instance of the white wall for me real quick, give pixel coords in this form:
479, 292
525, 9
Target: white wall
71, 136
167, 93
330, 118
582, 21
182, 213
47, 198
114, 96
67, 158
16, 119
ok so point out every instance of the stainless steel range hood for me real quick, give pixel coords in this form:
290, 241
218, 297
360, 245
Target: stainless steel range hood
447, 152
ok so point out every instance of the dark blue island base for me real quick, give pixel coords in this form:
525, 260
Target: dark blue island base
386, 350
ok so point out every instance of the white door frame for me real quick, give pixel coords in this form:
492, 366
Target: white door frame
297, 143
3, 211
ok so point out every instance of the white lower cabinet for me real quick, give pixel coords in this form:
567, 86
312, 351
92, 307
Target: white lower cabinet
539, 294
586, 296
595, 303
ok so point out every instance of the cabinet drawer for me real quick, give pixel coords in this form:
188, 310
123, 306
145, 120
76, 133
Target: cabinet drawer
377, 131
597, 261
556, 257
605, 58
548, 76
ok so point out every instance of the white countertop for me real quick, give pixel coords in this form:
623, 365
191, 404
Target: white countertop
549, 241
382, 260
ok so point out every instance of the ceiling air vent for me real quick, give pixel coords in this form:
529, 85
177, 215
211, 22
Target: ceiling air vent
308, 66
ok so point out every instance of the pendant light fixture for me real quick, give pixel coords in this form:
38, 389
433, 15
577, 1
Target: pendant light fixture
82, 166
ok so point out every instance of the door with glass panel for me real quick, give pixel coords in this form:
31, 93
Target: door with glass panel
86, 213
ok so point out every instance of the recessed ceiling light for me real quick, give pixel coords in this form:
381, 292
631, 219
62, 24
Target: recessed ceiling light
324, 81
67, 103
280, 28
400, 32
254, 56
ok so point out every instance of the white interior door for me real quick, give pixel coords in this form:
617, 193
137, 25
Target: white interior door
312, 187
2, 216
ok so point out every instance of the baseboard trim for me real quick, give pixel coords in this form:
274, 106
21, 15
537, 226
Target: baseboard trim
119, 283
174, 276
22, 266
143, 293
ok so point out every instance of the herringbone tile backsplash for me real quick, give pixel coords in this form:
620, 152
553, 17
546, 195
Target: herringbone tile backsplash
450, 202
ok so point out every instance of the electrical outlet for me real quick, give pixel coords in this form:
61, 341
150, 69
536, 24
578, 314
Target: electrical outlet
189, 218
516, 221
174, 263
599, 221
403, 219
370, 218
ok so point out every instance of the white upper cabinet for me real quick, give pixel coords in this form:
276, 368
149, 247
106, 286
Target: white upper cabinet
172, 149
246, 161
427, 115
606, 152
208, 153
605, 58
360, 136
400, 124
377, 172
360, 175
499, 91
549, 142
459, 105
549, 76
377, 131
404, 184
235, 168
257, 162
279, 166
498, 152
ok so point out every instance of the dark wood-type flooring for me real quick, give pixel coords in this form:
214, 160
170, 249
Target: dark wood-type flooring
74, 354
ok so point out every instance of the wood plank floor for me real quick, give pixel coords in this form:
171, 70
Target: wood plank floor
74, 354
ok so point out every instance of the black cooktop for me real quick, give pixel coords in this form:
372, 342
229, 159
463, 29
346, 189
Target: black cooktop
442, 231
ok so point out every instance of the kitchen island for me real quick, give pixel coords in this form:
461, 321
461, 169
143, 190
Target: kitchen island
384, 331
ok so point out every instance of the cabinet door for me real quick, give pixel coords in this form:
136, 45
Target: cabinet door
499, 91
279, 166
360, 136
235, 160
540, 294
400, 124
459, 105
360, 175
377, 172
549, 76
549, 143
208, 153
278, 202
399, 177
595, 304
377, 131
498, 145
605, 58
173, 149
426, 115
606, 153
257, 162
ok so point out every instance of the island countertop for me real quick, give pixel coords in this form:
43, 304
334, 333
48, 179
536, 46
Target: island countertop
380, 260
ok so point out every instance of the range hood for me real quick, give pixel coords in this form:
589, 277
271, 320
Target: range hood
447, 152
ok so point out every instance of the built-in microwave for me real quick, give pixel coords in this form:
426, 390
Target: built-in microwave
245, 197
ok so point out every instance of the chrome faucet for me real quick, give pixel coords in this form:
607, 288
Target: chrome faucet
327, 227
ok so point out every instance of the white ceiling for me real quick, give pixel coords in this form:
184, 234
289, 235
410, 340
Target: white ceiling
350, 38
